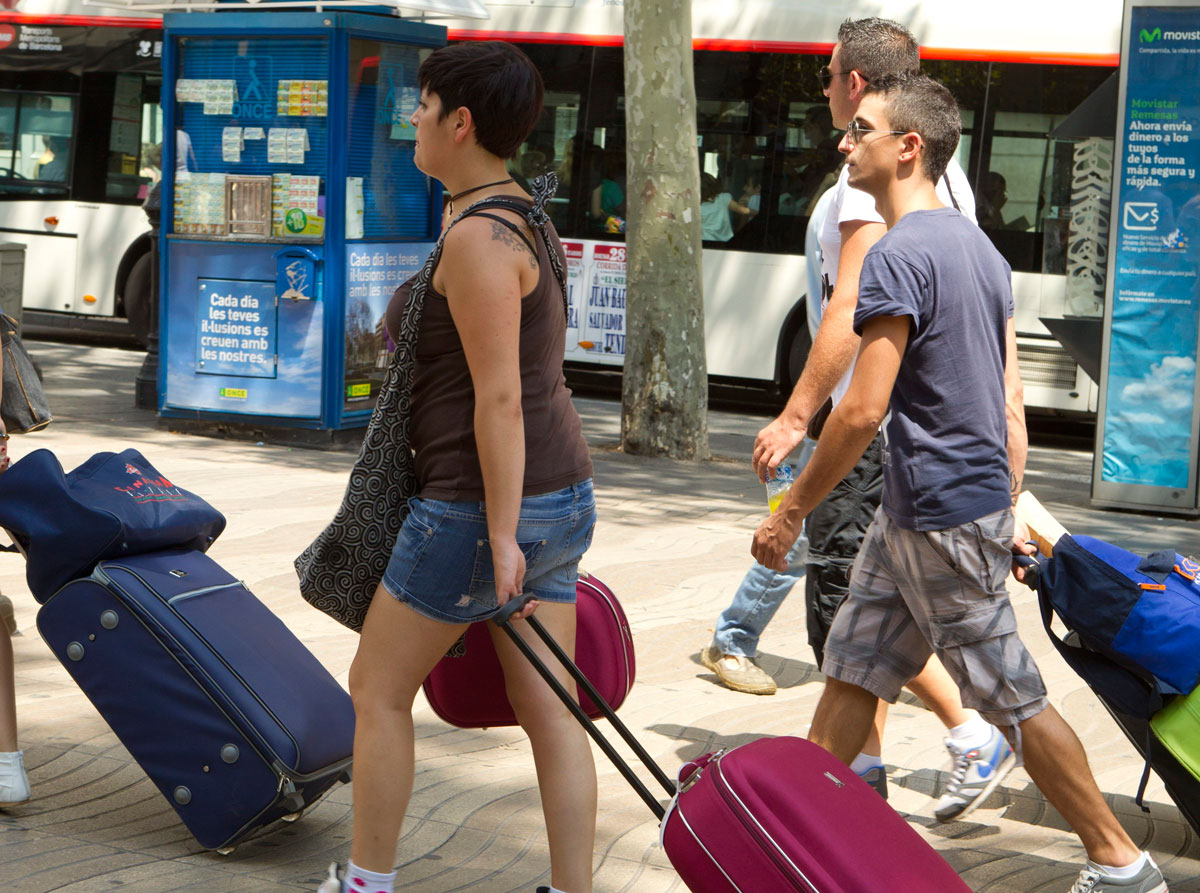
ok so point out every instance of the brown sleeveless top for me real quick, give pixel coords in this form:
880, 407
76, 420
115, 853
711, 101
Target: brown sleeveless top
443, 396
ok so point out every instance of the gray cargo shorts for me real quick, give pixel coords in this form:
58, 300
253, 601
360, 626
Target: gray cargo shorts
915, 593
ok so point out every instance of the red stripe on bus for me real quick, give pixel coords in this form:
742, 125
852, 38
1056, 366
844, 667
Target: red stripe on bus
597, 40
103, 21
1110, 60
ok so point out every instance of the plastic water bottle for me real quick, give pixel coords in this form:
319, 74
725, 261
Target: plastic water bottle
778, 486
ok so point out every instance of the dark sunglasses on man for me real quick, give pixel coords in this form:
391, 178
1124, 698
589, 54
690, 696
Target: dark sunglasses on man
825, 76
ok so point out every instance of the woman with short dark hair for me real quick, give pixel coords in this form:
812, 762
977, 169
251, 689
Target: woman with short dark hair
505, 502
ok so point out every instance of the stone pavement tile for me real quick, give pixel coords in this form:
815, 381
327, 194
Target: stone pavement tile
39, 863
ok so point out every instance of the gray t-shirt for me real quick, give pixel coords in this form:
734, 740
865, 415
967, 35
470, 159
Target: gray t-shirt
945, 448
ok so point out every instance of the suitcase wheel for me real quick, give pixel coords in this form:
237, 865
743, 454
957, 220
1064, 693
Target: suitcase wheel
225, 850
294, 803
346, 777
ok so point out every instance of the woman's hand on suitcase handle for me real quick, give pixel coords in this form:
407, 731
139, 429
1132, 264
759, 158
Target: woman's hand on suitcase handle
508, 562
515, 609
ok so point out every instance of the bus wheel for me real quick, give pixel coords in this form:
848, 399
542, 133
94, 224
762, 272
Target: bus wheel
137, 299
797, 355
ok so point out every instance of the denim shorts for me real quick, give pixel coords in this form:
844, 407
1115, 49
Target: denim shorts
441, 565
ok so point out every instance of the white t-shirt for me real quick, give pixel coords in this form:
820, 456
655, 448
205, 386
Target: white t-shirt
715, 224
850, 204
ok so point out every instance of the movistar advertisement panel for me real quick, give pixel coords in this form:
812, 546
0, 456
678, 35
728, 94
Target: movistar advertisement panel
1147, 440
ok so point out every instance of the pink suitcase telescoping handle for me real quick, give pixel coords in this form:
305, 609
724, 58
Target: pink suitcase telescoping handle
503, 618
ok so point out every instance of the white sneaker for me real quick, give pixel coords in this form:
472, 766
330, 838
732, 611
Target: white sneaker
333, 883
974, 774
14, 783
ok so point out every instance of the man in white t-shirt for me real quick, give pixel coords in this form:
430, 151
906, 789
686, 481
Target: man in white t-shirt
869, 49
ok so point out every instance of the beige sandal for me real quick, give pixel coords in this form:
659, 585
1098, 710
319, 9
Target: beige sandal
7, 616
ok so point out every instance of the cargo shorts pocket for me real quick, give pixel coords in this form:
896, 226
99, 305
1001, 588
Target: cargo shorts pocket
974, 623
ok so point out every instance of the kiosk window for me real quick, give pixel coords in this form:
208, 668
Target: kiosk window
253, 108
386, 196
36, 132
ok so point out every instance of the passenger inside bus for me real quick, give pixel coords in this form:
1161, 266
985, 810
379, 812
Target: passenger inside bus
990, 199
52, 165
608, 198
716, 206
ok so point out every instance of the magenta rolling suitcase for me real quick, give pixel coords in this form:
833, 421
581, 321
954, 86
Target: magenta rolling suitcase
777, 814
466, 689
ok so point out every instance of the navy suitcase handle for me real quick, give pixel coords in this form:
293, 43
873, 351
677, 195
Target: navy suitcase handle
503, 619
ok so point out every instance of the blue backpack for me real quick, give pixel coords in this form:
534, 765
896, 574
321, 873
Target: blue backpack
1142, 613
113, 505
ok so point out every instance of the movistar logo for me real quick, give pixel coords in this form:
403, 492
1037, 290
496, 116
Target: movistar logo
1148, 36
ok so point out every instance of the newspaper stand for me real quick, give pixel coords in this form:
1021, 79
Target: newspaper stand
291, 211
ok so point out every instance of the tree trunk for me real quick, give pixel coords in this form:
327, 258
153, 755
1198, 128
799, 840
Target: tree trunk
664, 393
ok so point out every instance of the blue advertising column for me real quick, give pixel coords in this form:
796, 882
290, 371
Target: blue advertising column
1147, 442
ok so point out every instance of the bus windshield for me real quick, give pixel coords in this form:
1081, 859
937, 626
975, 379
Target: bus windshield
36, 131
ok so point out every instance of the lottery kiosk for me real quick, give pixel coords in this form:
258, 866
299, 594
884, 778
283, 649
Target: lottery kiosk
291, 211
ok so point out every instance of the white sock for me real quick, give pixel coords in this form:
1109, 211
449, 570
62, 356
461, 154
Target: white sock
865, 762
359, 880
975, 732
1125, 871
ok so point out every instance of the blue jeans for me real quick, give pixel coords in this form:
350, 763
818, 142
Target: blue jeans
762, 591
757, 599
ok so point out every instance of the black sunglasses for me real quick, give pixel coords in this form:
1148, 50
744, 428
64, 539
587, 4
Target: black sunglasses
825, 76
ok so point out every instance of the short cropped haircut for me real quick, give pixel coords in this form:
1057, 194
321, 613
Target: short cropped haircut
918, 103
496, 82
877, 48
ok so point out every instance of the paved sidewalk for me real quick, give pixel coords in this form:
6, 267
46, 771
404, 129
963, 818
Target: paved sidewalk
673, 542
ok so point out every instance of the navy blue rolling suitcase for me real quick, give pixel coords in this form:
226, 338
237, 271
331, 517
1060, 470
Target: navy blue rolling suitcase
234, 720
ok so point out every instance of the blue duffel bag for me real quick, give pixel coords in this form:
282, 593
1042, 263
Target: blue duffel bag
111, 506
1143, 613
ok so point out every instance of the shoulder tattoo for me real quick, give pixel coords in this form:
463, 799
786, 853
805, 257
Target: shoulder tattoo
505, 236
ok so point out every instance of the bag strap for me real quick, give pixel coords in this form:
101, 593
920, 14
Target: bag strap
950, 189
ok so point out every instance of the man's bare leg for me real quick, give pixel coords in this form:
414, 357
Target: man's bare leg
1058, 765
843, 719
939, 693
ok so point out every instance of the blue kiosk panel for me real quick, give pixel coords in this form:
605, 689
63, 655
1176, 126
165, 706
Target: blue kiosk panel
233, 349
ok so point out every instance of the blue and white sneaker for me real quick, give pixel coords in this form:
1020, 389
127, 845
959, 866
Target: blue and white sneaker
876, 777
974, 774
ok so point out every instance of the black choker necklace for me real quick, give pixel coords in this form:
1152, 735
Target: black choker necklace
455, 198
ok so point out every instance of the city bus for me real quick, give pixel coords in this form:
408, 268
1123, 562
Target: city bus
768, 145
80, 143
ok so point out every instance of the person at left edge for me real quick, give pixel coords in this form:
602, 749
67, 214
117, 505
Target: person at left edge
505, 501
14, 782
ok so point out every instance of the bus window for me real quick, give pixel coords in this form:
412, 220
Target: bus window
556, 143
1014, 160
737, 109
37, 143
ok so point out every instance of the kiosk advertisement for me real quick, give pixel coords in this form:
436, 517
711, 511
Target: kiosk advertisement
374, 272
1147, 430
